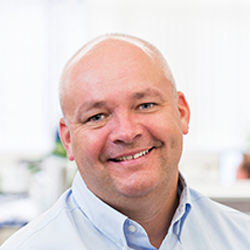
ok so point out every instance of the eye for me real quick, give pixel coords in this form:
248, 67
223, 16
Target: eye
146, 106
96, 118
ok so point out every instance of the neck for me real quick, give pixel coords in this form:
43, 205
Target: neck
157, 227
157, 220
154, 214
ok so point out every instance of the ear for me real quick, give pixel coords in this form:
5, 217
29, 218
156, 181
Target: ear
66, 138
184, 111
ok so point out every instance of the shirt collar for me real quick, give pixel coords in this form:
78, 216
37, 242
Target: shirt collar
183, 209
112, 223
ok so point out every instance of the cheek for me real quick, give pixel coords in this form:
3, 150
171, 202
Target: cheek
167, 132
88, 145
164, 128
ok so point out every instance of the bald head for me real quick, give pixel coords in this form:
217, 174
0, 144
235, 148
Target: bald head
109, 46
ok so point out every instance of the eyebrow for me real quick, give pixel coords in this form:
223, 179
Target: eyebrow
136, 96
90, 105
148, 92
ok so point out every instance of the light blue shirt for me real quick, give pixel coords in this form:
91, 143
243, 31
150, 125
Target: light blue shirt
81, 221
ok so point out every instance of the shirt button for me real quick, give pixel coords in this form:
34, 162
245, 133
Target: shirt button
132, 228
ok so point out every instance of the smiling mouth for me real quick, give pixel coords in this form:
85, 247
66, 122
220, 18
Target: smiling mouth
132, 157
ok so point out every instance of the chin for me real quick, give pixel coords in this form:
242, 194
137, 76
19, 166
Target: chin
137, 189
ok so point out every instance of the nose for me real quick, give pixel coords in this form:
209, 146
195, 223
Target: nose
126, 129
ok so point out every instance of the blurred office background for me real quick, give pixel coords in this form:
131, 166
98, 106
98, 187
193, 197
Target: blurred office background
207, 46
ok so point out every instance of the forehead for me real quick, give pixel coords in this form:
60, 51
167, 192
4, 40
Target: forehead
111, 56
112, 60
114, 65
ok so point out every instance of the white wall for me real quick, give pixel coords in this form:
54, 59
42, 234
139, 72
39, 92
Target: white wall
36, 39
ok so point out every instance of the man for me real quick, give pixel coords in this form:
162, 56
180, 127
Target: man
123, 125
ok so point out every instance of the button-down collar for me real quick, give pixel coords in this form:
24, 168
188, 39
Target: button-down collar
118, 227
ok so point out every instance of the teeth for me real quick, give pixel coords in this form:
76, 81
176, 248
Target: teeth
130, 157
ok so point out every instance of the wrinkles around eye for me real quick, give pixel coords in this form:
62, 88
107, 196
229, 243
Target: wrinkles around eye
97, 120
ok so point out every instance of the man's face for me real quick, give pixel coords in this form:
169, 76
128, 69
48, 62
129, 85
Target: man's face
124, 124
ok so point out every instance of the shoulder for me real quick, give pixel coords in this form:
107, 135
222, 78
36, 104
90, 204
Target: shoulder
208, 223
46, 226
216, 214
